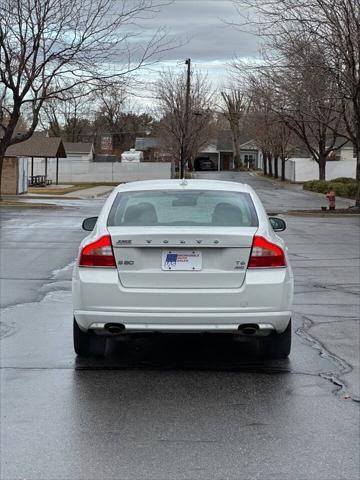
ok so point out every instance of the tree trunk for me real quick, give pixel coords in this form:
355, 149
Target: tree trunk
237, 161
276, 166
264, 163
322, 165
357, 148
270, 165
283, 160
1, 166
2, 157
182, 162
190, 164
236, 145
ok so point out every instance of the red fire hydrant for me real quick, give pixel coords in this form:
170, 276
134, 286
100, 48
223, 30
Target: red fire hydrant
331, 198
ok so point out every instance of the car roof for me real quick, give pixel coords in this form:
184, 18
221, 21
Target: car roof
192, 184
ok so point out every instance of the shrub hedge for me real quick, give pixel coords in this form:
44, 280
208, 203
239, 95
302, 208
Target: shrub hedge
342, 186
344, 180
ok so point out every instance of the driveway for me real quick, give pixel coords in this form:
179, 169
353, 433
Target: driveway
177, 407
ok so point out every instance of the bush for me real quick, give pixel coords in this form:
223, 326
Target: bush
344, 180
320, 186
345, 188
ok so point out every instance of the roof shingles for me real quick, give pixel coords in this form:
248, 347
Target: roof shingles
41, 147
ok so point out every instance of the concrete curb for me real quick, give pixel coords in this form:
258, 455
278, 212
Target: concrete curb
311, 213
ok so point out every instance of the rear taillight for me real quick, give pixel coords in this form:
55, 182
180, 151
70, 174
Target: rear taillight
265, 254
98, 254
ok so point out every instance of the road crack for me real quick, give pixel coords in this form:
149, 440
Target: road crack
343, 367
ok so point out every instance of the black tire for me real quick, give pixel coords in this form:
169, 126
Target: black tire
87, 344
276, 345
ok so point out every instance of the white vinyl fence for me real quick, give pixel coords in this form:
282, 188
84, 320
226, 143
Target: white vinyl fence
304, 169
71, 171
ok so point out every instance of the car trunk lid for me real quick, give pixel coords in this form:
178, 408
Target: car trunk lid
182, 257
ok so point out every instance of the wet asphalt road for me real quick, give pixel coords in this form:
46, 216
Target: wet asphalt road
170, 407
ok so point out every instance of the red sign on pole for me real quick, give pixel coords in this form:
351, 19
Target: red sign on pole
106, 144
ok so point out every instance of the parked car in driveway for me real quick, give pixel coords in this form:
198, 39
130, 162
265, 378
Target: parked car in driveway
204, 163
183, 256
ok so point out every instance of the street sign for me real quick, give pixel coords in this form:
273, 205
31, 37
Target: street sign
106, 144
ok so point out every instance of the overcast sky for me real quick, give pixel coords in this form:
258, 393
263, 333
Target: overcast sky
210, 42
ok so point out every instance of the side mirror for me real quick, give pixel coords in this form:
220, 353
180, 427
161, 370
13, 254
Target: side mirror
278, 224
89, 224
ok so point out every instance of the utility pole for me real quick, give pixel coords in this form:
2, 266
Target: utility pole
184, 147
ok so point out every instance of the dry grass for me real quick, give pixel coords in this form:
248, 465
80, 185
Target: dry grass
62, 190
16, 204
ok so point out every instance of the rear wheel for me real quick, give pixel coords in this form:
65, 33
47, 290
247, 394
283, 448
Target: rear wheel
87, 344
277, 345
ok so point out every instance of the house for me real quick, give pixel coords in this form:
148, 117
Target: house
32, 154
150, 146
249, 152
208, 153
221, 153
82, 152
345, 152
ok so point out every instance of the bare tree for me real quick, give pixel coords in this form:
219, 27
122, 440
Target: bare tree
235, 106
333, 26
260, 118
174, 136
283, 143
47, 47
118, 117
68, 115
303, 96
110, 117
307, 102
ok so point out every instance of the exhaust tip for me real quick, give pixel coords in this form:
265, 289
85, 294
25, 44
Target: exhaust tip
114, 328
248, 329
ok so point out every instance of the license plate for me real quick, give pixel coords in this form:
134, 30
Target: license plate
181, 260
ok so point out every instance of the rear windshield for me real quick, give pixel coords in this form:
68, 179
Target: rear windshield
187, 208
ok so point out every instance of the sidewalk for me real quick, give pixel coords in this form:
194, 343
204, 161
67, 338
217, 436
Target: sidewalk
38, 200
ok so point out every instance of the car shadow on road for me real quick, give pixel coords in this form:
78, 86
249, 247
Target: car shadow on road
184, 351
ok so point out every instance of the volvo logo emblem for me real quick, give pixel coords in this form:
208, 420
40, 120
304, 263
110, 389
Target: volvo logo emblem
165, 241
216, 242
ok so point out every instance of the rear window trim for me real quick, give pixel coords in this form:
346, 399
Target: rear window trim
252, 208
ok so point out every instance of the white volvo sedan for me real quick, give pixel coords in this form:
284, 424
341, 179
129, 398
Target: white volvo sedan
183, 256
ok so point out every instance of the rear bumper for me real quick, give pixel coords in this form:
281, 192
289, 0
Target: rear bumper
181, 321
264, 298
